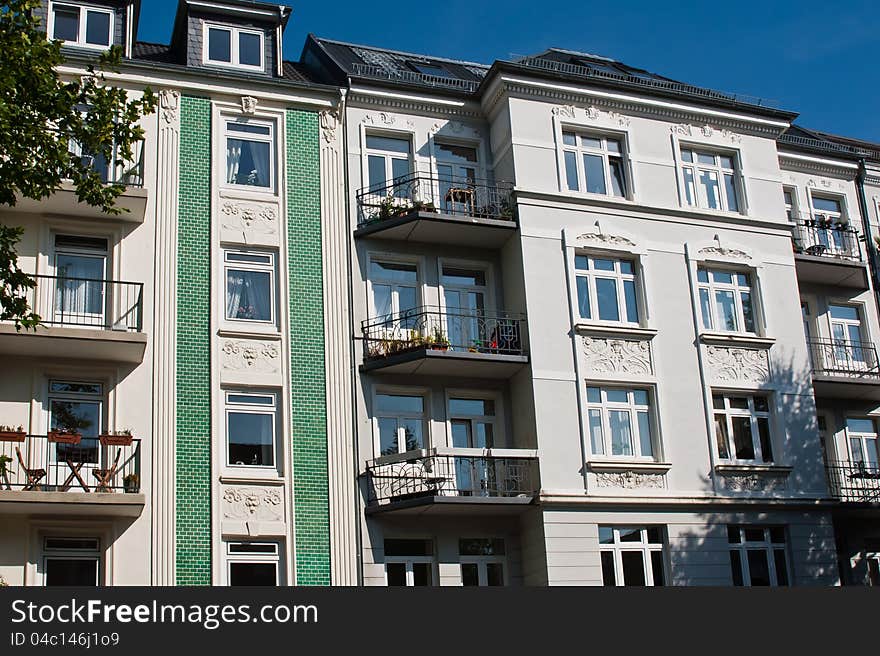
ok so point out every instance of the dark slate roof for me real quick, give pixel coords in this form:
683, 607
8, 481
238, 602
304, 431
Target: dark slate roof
295, 72
394, 66
799, 138
156, 52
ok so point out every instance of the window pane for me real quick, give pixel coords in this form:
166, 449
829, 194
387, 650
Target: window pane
250, 438
860, 425
494, 574
248, 295
470, 575
640, 397
388, 436
736, 568
581, 263
739, 402
66, 23
249, 46
734, 535
393, 271
754, 534
606, 535
742, 438
597, 441
721, 437
461, 433
472, 407
621, 433
618, 182
725, 310
603, 265
843, 312
687, 156
655, 535
630, 534
248, 162
390, 144
594, 395
259, 574
613, 146
702, 275
706, 158
591, 142
709, 183
826, 204
594, 171
608, 577
98, 28
408, 547
422, 574
764, 434
71, 571
399, 169
730, 191
759, 568
726, 162
645, 443
706, 309
412, 434
626, 267
606, 298
569, 139
633, 568
376, 172
629, 294
689, 186
583, 292
219, 45
781, 567
571, 173
748, 312
657, 567
617, 395
470, 277
395, 574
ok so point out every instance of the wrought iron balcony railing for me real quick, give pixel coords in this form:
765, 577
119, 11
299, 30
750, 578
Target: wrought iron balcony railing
60, 463
452, 475
88, 302
854, 482
451, 195
444, 329
825, 239
832, 357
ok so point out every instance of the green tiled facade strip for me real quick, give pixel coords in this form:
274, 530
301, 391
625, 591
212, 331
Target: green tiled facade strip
193, 502
307, 379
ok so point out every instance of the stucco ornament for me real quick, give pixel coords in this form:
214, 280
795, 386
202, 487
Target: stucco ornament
249, 217
730, 363
329, 123
613, 356
251, 355
248, 104
252, 503
567, 111
630, 480
169, 102
606, 239
754, 482
620, 119
681, 128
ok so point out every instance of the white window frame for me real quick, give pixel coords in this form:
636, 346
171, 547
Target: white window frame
233, 46
269, 268
604, 407
862, 439
84, 9
47, 554
382, 258
496, 419
603, 151
754, 415
828, 216
592, 274
230, 557
767, 545
387, 155
643, 546
791, 208
409, 561
242, 136
712, 287
424, 417
272, 410
482, 563
696, 193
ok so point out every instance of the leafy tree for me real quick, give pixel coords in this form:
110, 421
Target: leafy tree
41, 114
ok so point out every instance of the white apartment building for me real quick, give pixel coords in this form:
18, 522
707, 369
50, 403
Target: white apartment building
579, 301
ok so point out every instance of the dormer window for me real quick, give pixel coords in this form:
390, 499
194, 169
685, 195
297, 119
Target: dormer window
78, 25
233, 46
434, 70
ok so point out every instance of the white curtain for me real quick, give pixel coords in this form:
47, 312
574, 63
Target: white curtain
233, 158
248, 295
259, 158
80, 291
234, 288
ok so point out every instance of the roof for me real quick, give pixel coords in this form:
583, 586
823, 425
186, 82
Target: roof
799, 138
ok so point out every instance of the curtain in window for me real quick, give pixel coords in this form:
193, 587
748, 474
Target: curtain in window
79, 295
233, 158
248, 295
259, 159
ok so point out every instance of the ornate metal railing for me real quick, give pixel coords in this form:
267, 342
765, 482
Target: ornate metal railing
87, 302
444, 329
374, 70
833, 357
452, 195
854, 482
833, 240
40, 463
452, 476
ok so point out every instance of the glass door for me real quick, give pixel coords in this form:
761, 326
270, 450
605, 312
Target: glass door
472, 423
388, 166
456, 178
395, 298
74, 407
847, 338
81, 286
465, 298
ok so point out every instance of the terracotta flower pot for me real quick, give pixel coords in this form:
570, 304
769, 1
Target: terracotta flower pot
12, 436
116, 440
62, 437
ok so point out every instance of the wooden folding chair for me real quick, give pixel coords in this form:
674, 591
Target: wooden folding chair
33, 475
105, 476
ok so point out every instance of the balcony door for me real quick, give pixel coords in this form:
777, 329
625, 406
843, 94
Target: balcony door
395, 298
847, 338
472, 425
482, 561
388, 159
862, 442
80, 265
465, 300
75, 407
828, 217
456, 177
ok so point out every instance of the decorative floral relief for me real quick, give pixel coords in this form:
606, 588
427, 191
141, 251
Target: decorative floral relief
754, 482
250, 355
253, 503
329, 122
725, 252
247, 217
568, 111
592, 113
602, 238
169, 101
707, 130
681, 128
248, 104
733, 137
613, 356
620, 119
629, 480
738, 364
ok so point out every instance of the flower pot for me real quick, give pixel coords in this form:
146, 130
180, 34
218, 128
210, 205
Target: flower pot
440, 347
131, 487
12, 436
62, 437
116, 440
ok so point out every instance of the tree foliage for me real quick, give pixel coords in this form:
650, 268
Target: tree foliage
41, 115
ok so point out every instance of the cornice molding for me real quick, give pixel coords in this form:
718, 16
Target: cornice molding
411, 105
807, 164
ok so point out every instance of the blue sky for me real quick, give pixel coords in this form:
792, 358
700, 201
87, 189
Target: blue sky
816, 58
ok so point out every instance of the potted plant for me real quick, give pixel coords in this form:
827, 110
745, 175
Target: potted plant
68, 426
64, 436
10, 434
4, 467
131, 483
117, 438
439, 341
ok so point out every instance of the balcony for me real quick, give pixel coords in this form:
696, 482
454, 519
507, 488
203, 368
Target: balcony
438, 210
55, 473
442, 481
842, 369
829, 254
445, 342
82, 318
854, 482
133, 200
